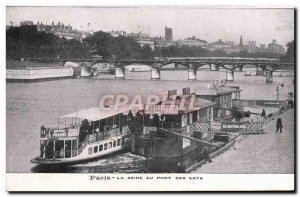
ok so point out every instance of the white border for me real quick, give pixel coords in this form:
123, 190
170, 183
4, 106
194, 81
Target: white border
139, 182
207, 4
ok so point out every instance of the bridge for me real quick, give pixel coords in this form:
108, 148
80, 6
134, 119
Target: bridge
192, 64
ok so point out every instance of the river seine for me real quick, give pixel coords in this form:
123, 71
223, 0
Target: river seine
30, 105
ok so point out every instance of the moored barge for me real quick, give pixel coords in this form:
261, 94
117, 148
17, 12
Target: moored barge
174, 137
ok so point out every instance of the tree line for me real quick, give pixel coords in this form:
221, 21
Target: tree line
26, 42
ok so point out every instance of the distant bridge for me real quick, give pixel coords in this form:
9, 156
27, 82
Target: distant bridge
231, 65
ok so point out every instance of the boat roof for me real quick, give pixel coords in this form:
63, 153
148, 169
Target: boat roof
95, 113
196, 105
218, 90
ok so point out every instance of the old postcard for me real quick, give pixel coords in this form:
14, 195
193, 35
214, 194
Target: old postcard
150, 98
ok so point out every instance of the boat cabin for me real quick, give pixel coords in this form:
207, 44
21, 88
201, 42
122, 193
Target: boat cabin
223, 95
166, 116
74, 131
180, 118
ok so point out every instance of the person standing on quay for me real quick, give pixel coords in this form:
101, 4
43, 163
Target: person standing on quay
279, 125
277, 93
206, 155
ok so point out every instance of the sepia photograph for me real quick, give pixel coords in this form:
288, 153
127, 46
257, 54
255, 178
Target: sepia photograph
160, 95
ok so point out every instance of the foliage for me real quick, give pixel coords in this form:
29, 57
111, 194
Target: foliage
103, 44
27, 42
290, 54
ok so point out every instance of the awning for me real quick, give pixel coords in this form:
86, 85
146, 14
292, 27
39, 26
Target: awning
95, 113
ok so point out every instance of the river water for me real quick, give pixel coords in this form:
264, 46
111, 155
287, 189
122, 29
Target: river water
29, 105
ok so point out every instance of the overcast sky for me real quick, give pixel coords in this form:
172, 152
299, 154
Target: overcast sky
261, 25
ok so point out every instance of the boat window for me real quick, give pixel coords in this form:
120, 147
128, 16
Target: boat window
119, 142
109, 145
90, 150
68, 148
74, 148
100, 147
203, 113
171, 121
142, 151
184, 120
123, 140
190, 118
59, 149
115, 143
116, 121
95, 149
109, 123
59, 144
105, 146
195, 116
47, 149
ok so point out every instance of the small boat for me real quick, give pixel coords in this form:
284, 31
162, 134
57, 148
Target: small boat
254, 73
85, 135
138, 68
248, 73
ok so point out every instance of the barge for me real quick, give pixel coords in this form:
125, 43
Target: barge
29, 74
172, 138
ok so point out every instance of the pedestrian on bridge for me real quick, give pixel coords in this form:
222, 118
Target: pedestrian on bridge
263, 113
279, 125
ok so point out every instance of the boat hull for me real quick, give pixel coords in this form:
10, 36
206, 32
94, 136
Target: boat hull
88, 152
39, 161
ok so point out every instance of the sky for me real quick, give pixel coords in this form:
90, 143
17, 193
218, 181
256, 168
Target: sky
210, 24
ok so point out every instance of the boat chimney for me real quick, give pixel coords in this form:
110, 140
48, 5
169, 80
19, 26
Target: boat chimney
186, 91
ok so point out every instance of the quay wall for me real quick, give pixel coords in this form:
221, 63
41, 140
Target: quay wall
38, 73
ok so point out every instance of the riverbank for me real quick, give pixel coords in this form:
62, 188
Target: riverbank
24, 64
270, 153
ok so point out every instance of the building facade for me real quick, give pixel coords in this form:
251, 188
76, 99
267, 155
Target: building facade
275, 48
168, 34
114, 33
26, 23
192, 41
63, 31
221, 45
143, 39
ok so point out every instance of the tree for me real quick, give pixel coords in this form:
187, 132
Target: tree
27, 42
290, 53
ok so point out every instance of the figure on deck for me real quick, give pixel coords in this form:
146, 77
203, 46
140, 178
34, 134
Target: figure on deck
130, 115
279, 125
83, 130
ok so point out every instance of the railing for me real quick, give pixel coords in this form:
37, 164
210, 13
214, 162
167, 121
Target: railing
267, 103
95, 137
254, 128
